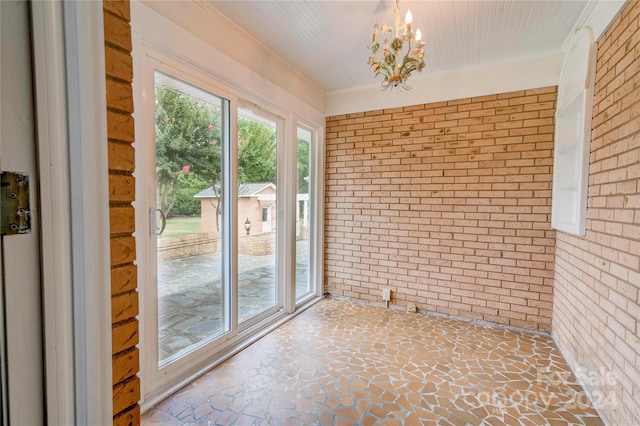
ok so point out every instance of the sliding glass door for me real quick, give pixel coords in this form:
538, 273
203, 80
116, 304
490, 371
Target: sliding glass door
203, 175
258, 140
304, 284
188, 216
225, 243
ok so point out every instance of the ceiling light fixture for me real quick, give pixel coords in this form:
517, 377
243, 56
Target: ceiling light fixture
391, 66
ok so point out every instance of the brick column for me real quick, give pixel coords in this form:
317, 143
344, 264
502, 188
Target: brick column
120, 132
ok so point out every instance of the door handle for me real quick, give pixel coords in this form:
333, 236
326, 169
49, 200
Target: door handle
153, 221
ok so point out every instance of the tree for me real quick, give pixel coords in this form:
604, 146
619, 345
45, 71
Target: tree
188, 152
187, 141
257, 152
303, 166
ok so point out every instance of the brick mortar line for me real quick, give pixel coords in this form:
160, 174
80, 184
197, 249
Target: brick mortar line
125, 411
120, 141
116, 172
117, 47
115, 204
120, 265
115, 15
123, 353
121, 235
120, 111
117, 79
124, 321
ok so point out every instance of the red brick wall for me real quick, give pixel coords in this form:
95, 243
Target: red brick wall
188, 245
120, 133
596, 315
447, 205
260, 244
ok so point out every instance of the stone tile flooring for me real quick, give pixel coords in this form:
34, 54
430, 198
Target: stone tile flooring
340, 363
190, 302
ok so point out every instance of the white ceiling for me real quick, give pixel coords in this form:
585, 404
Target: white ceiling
328, 40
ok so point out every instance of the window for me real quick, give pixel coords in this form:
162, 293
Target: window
304, 148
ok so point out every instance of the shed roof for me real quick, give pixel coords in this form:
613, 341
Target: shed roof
251, 189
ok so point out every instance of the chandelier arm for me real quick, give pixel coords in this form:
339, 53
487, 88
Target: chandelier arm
396, 16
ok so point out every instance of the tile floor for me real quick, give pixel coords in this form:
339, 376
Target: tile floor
341, 363
190, 295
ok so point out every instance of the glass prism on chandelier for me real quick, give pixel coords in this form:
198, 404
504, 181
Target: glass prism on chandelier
395, 69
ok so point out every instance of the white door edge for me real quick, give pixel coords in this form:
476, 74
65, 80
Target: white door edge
49, 85
88, 168
70, 71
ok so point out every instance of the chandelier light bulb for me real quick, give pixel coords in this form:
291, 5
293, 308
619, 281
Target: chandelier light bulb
407, 19
418, 35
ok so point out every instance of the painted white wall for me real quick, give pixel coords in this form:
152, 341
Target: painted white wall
599, 16
198, 33
235, 48
499, 77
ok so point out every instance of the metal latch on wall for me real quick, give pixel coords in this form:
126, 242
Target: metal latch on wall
15, 215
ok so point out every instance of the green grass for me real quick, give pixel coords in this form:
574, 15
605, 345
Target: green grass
181, 226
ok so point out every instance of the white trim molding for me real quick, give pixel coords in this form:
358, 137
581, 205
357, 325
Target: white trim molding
206, 54
53, 164
89, 190
500, 77
598, 15
215, 29
572, 139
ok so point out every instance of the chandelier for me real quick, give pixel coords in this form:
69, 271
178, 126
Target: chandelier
395, 68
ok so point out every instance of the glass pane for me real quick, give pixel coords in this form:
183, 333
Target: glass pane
303, 209
257, 217
189, 128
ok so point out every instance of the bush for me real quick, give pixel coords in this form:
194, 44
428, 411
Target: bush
189, 184
186, 204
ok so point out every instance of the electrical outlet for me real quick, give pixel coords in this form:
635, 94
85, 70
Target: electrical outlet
386, 294
411, 307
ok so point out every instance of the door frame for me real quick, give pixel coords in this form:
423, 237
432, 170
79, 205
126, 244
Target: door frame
157, 383
277, 207
69, 70
153, 32
154, 377
315, 212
